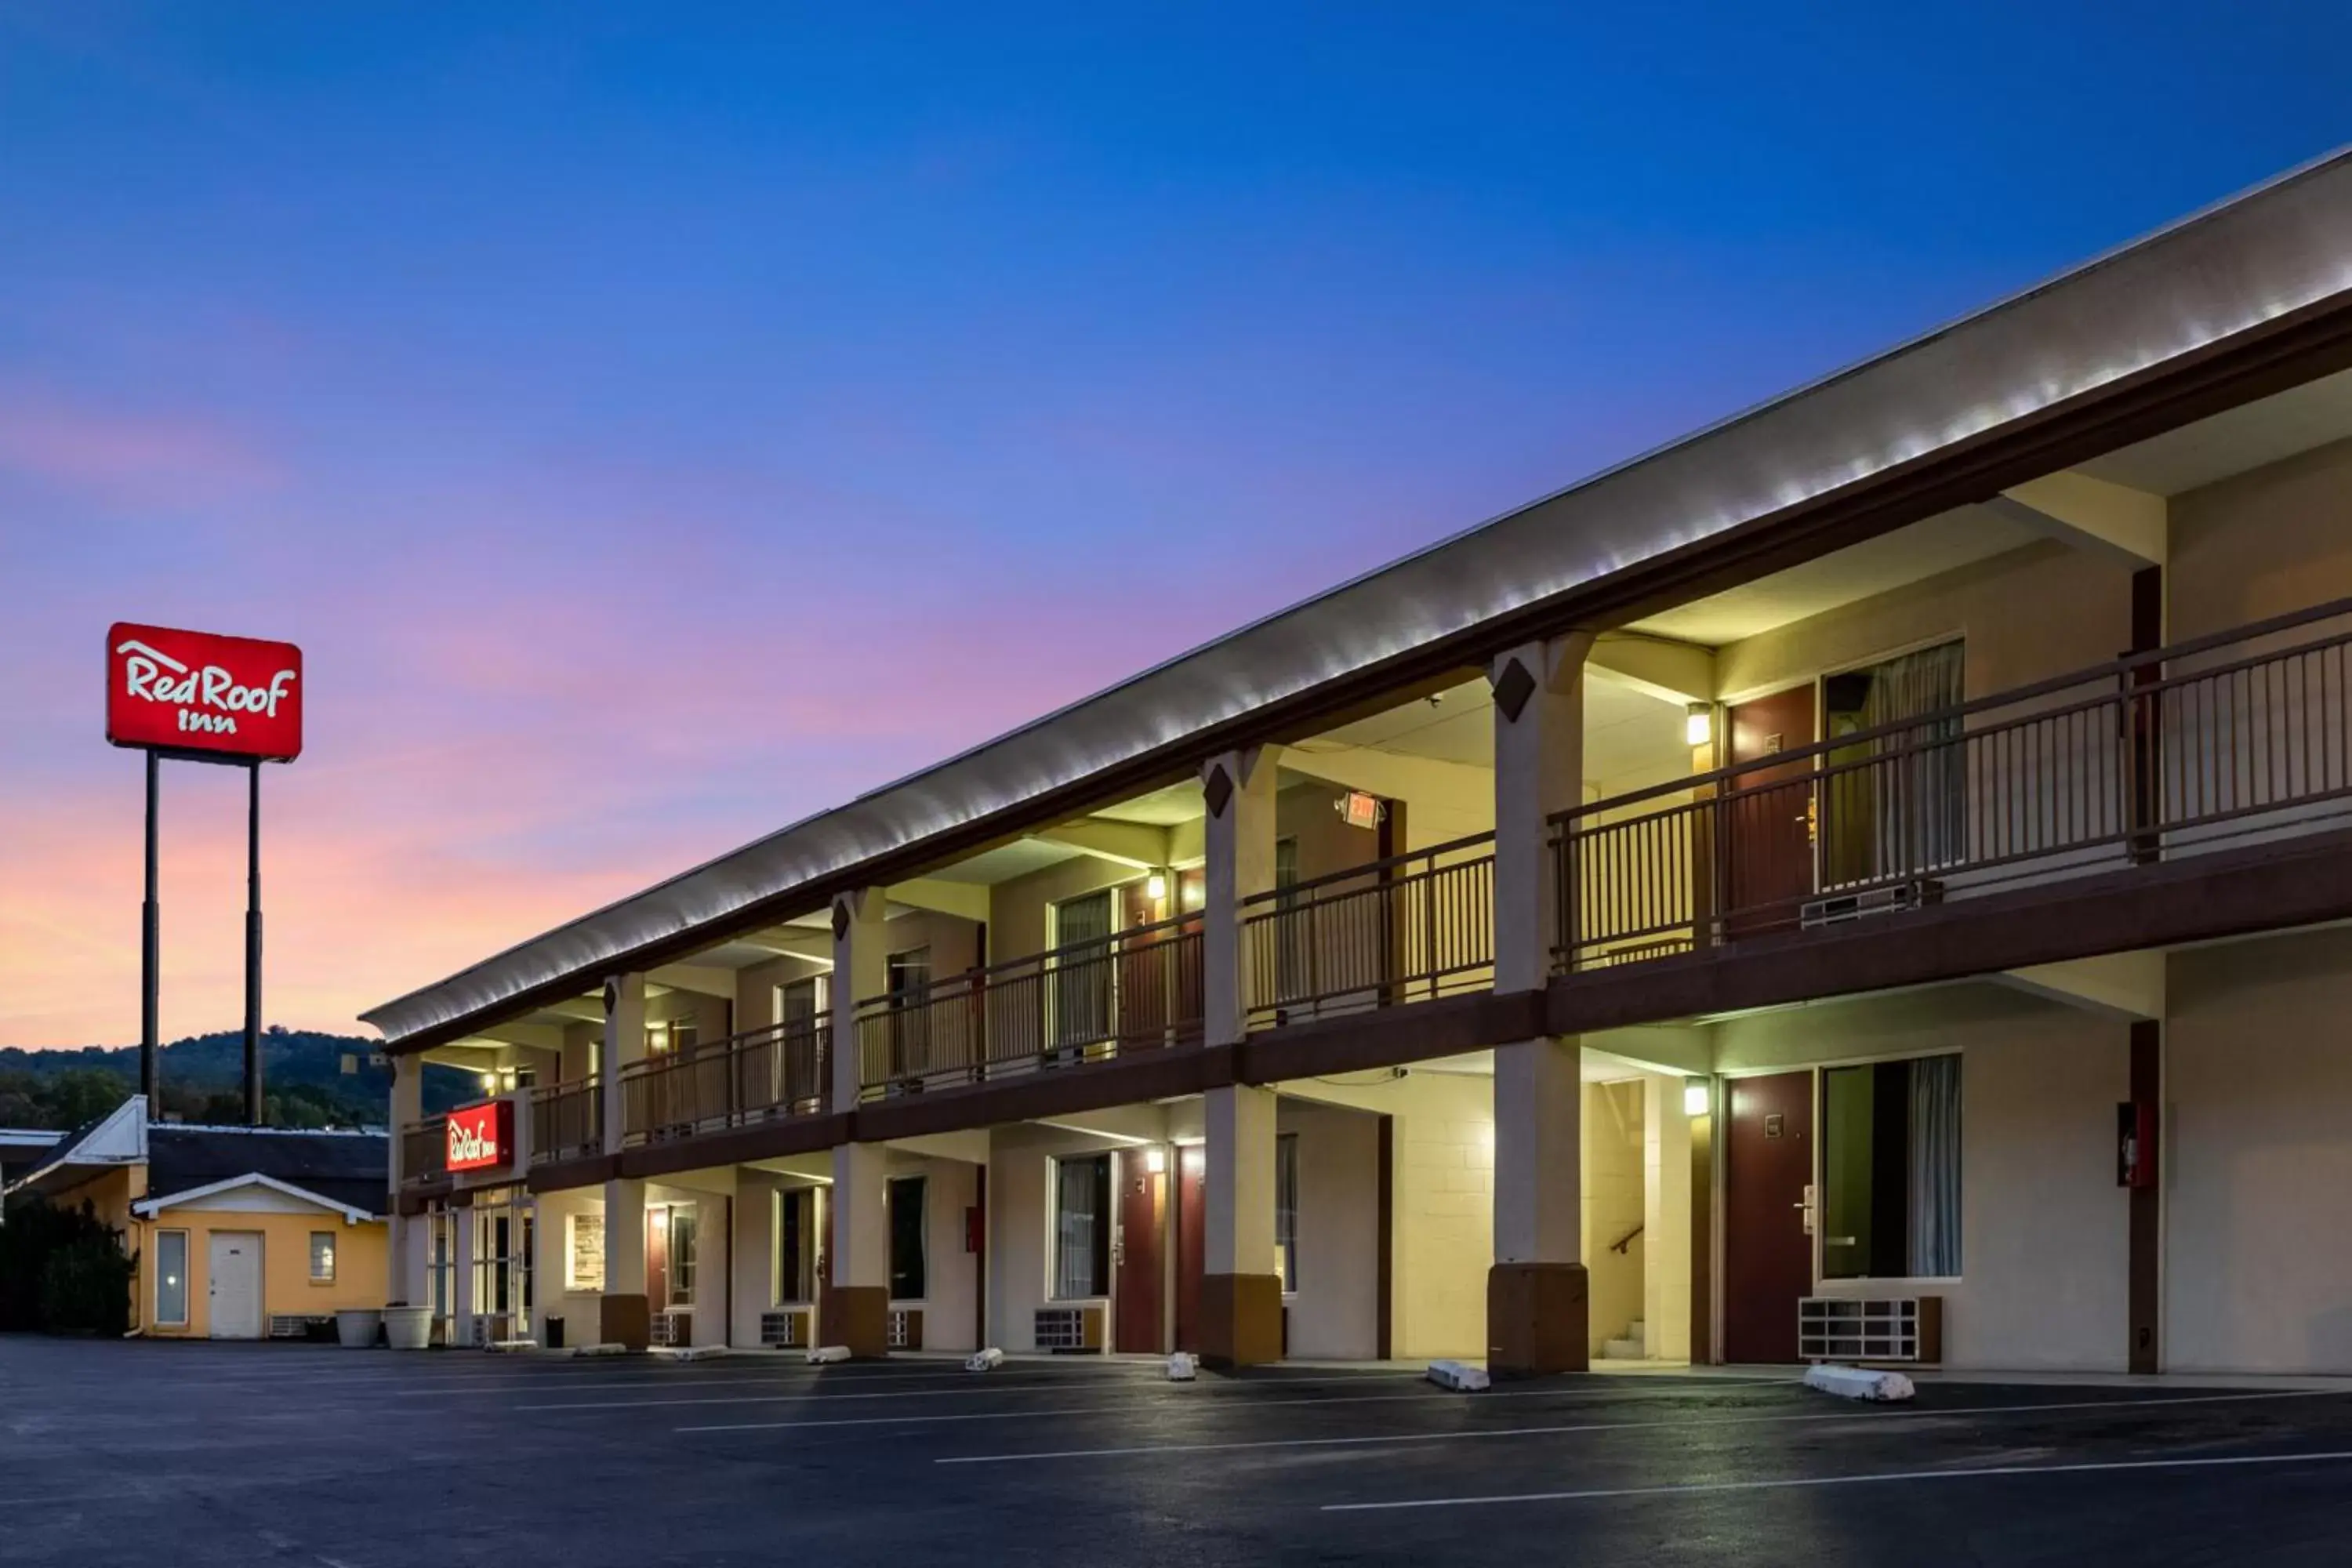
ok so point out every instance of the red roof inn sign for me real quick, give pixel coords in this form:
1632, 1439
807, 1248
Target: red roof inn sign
193, 691
207, 699
481, 1136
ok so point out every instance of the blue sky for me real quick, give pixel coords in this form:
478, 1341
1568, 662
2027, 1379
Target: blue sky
659, 423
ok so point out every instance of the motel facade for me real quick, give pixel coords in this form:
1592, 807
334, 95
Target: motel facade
1869, 879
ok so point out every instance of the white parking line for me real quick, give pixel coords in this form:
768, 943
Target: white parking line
1859, 1414
974, 1383
1982, 1472
1175, 1404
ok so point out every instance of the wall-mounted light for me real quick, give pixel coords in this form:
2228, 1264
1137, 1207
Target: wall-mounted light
1155, 887
489, 1081
1698, 723
1697, 1098
1155, 1161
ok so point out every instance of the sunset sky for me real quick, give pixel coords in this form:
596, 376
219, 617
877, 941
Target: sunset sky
657, 425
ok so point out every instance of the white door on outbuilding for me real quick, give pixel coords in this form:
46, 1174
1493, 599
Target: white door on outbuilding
235, 1291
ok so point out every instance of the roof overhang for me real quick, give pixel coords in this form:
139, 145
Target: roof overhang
2235, 302
148, 1209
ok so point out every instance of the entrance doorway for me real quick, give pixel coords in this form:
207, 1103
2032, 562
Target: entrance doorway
234, 1265
1767, 1241
1140, 1283
1768, 824
1192, 1243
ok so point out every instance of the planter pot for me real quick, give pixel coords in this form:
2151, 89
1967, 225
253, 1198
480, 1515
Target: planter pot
355, 1327
407, 1328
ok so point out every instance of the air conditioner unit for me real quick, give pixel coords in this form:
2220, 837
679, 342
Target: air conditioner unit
1071, 1330
1906, 1329
672, 1329
1837, 909
787, 1328
904, 1330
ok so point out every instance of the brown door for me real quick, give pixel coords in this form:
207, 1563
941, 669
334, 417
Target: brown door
1192, 1214
1139, 1285
656, 1259
1767, 1255
1767, 830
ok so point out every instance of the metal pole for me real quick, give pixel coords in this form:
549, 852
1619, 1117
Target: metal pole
252, 945
149, 943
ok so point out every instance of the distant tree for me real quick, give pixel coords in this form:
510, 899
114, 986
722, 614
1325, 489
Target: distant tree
62, 1270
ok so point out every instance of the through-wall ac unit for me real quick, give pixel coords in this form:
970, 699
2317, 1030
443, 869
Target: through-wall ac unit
904, 1329
672, 1329
1839, 908
1905, 1328
1071, 1330
787, 1328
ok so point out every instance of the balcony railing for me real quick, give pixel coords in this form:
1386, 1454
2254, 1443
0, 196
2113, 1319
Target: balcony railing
1405, 929
567, 1120
1137, 989
425, 1151
2228, 739
758, 1076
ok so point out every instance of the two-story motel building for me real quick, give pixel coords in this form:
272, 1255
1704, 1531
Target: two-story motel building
1889, 846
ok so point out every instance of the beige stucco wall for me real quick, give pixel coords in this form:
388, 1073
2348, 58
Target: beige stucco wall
1335, 1313
2261, 543
2044, 1245
2027, 613
2259, 1159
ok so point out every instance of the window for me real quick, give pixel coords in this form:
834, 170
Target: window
322, 1258
677, 1034
1286, 1208
798, 1002
1082, 1226
172, 1279
1895, 807
905, 1197
910, 1019
583, 1257
796, 1243
1891, 1170
1082, 1004
681, 1254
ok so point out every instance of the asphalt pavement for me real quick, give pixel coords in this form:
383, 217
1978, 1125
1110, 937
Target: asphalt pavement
237, 1453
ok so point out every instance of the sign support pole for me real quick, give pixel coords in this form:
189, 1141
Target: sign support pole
149, 950
253, 1105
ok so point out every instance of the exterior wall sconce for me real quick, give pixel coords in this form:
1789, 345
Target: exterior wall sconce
1698, 723
1697, 1099
1155, 887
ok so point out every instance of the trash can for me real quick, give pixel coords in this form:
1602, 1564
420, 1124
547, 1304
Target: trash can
356, 1327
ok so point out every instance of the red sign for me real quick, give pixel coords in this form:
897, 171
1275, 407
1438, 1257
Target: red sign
481, 1136
193, 691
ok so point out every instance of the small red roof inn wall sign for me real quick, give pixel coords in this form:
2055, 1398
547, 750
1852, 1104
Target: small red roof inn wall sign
194, 691
481, 1136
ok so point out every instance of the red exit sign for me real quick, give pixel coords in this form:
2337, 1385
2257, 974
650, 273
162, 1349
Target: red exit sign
481, 1136
197, 691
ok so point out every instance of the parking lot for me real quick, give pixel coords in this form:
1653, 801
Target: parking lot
128, 1453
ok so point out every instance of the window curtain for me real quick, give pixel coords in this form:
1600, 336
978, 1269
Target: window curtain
1074, 1273
1920, 792
1935, 1167
1082, 977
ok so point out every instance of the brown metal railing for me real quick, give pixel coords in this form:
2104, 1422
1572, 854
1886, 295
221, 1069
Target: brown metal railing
567, 1120
757, 1076
2230, 739
1137, 989
1405, 929
425, 1151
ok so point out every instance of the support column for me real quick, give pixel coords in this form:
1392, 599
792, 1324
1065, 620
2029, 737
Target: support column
623, 1315
1537, 1294
1666, 1210
854, 1305
1241, 1278
461, 1285
403, 1273
1239, 788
